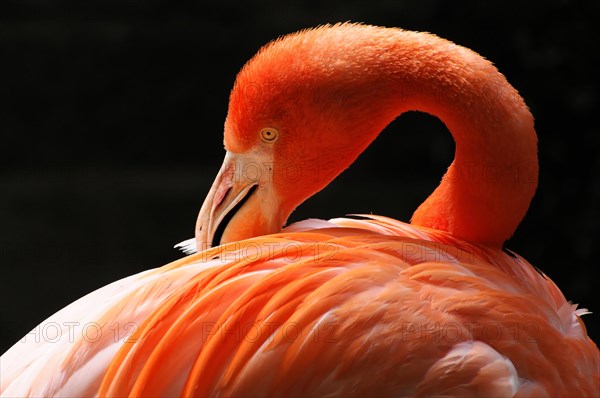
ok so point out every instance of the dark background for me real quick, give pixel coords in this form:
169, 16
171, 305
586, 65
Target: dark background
111, 122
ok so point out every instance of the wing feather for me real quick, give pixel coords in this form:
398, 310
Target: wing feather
354, 307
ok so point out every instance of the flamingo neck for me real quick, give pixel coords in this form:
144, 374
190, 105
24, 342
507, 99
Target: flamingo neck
488, 187
383, 73
352, 80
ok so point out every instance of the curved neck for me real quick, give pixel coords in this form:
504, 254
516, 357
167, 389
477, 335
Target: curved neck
333, 89
488, 187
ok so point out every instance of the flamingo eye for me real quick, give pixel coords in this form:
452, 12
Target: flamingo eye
268, 134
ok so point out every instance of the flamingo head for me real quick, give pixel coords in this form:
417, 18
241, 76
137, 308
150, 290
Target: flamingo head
298, 116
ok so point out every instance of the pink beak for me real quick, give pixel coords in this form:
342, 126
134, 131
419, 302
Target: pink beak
227, 195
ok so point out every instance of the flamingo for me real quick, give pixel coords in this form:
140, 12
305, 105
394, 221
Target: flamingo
362, 305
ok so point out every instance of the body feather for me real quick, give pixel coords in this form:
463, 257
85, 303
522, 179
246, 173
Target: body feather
377, 306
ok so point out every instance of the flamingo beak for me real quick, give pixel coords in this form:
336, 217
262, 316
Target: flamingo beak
238, 206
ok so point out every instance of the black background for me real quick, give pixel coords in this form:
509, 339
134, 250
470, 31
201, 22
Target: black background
111, 133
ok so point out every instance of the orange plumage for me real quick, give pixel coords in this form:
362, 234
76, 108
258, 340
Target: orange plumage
347, 307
